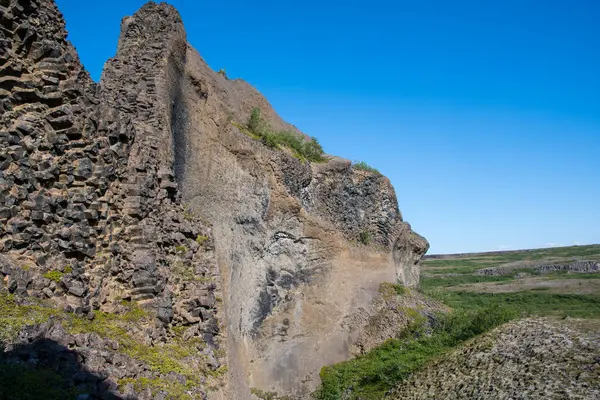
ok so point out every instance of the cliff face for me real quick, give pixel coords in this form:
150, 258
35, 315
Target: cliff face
287, 235
146, 189
91, 219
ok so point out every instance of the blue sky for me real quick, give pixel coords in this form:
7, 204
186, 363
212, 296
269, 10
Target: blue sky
484, 115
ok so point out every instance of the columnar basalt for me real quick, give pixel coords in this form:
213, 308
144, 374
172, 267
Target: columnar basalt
90, 211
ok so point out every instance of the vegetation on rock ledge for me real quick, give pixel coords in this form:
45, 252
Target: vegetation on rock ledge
363, 166
301, 147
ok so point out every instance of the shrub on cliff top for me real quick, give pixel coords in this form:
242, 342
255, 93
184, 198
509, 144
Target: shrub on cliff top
302, 148
363, 166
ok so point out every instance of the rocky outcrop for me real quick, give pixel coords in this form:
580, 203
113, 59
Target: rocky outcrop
141, 190
89, 208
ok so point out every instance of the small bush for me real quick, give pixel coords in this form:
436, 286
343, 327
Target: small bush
256, 123
363, 166
302, 148
365, 237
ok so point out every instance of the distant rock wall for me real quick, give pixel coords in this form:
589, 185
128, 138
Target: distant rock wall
579, 267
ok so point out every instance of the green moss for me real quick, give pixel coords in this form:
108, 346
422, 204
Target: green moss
188, 214
219, 372
161, 359
182, 271
175, 389
14, 317
26, 267
245, 130
67, 269
200, 239
54, 275
181, 249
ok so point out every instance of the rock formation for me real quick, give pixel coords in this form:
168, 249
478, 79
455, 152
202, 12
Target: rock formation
145, 190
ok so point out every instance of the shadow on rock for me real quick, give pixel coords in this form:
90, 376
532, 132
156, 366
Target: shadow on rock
45, 369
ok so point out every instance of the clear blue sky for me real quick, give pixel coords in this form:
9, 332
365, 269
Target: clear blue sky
485, 115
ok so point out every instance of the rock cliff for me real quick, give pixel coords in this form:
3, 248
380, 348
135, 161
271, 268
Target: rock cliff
146, 196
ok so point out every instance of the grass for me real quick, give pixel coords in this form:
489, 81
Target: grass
363, 166
181, 249
529, 303
372, 375
570, 253
302, 148
429, 282
567, 275
261, 394
462, 266
200, 239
